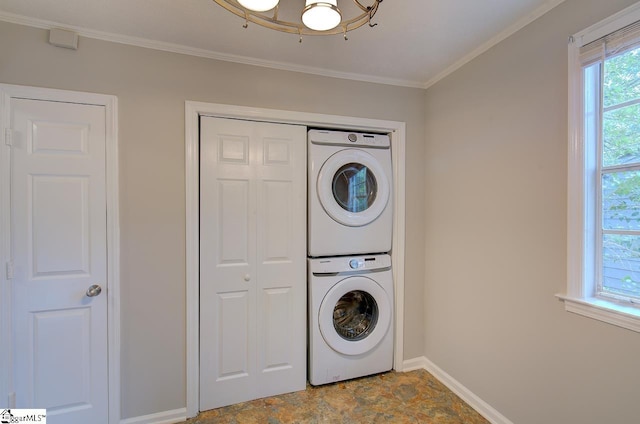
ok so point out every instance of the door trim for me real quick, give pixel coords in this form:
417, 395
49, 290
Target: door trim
193, 111
113, 232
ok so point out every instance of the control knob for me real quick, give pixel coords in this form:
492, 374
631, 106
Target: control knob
356, 263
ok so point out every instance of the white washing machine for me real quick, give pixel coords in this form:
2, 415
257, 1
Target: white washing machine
350, 317
350, 203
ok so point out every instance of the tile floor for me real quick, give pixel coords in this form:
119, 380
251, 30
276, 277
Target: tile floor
412, 397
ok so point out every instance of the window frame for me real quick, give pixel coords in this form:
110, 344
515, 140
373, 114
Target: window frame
583, 197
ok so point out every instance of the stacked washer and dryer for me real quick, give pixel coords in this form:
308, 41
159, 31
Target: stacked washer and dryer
349, 269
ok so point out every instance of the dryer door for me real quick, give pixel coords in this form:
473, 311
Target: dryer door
352, 187
355, 315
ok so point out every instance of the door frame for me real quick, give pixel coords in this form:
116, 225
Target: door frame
7, 92
193, 111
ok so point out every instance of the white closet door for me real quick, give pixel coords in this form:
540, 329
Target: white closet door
252, 260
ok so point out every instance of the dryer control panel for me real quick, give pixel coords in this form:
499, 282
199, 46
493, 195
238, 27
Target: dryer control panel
362, 263
344, 138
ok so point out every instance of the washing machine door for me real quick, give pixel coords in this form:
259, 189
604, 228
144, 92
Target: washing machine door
355, 315
352, 187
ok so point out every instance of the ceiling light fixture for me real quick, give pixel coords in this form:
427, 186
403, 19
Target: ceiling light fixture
259, 5
321, 15
318, 17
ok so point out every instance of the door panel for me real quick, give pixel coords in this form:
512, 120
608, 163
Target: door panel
252, 260
49, 137
233, 330
59, 217
234, 222
58, 224
279, 346
276, 221
72, 376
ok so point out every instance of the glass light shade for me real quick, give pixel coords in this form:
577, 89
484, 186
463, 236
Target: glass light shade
259, 5
321, 15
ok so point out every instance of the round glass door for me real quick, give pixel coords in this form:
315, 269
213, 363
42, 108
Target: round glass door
355, 315
352, 187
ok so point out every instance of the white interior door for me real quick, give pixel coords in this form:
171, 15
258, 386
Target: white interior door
252, 260
58, 246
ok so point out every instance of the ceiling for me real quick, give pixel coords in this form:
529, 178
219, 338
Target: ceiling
416, 42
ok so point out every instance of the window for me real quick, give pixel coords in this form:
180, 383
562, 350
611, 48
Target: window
604, 171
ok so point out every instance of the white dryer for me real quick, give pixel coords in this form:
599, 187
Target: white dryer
350, 317
350, 193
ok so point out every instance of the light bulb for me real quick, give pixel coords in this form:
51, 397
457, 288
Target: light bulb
321, 15
259, 5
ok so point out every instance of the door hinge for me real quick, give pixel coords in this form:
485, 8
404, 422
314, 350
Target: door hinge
9, 269
8, 137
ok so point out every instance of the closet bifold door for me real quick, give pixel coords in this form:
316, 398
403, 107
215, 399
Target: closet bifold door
252, 260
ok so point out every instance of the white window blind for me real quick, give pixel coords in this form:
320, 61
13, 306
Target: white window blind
617, 42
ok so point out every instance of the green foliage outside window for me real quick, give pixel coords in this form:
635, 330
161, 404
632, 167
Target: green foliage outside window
621, 185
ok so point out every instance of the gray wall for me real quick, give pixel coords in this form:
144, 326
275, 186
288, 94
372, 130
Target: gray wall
495, 236
152, 87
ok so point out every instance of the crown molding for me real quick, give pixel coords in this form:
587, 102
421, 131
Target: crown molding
209, 54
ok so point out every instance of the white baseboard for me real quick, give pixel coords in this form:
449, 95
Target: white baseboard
166, 417
419, 363
482, 407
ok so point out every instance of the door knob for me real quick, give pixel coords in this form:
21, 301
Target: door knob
94, 290
247, 277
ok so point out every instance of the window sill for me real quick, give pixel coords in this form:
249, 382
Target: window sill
620, 315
